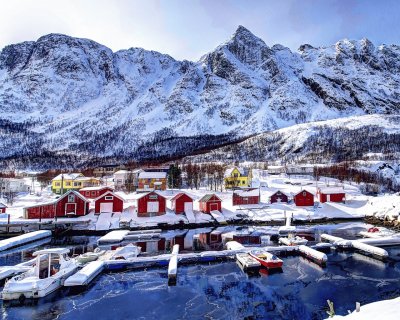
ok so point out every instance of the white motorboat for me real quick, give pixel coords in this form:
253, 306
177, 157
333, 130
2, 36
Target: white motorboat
126, 252
51, 268
293, 241
90, 256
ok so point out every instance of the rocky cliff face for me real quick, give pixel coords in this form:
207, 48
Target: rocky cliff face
75, 95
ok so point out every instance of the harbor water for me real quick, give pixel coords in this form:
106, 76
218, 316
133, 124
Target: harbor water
219, 290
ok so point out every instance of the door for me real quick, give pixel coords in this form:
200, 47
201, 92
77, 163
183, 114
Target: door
188, 206
328, 197
70, 208
213, 206
106, 207
152, 206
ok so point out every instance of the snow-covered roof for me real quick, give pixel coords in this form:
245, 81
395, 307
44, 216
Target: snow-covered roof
2, 205
244, 172
121, 172
95, 188
331, 190
109, 193
277, 192
207, 197
68, 176
72, 192
152, 175
138, 196
247, 193
86, 178
178, 195
52, 250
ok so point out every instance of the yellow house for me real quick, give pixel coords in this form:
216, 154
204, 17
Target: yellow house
72, 181
237, 177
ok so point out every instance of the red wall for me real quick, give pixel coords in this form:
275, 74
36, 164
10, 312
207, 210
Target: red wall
282, 196
304, 200
97, 193
3, 210
237, 200
82, 207
118, 204
206, 206
336, 197
45, 211
142, 204
178, 205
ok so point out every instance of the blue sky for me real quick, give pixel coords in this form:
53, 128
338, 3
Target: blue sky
186, 29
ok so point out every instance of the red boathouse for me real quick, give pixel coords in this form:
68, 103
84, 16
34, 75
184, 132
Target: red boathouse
94, 192
331, 194
210, 202
181, 203
108, 202
249, 196
150, 204
304, 199
71, 203
3, 208
279, 196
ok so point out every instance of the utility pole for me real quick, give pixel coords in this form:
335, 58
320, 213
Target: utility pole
62, 183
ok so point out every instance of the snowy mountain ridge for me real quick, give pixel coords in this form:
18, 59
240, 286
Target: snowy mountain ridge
63, 94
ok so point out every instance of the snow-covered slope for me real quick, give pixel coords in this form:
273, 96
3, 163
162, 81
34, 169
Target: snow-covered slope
370, 137
64, 94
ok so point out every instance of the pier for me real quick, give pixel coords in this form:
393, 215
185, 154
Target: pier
23, 239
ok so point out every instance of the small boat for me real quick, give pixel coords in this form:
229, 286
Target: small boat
89, 256
51, 268
293, 241
247, 261
266, 259
377, 232
126, 252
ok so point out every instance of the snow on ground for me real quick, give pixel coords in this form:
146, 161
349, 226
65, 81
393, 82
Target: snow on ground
356, 205
385, 309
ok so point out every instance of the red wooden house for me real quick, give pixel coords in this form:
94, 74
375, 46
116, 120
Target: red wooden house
249, 196
304, 198
94, 192
150, 204
108, 202
331, 194
210, 202
181, 203
278, 196
71, 203
3, 208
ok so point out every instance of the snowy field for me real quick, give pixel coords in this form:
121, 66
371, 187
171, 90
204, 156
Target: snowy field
356, 205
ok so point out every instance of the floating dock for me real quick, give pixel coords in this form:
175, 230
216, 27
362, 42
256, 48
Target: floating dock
218, 216
364, 245
24, 239
118, 236
313, 254
84, 276
173, 265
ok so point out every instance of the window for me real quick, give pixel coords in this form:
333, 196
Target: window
108, 197
304, 193
93, 193
88, 193
67, 184
71, 198
77, 184
153, 197
57, 184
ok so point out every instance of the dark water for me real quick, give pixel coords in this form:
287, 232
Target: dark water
223, 291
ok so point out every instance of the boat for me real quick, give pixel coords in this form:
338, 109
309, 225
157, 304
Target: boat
267, 259
377, 232
90, 256
293, 241
126, 252
51, 268
247, 261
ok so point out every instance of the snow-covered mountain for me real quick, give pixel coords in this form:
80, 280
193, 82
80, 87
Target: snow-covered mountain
68, 95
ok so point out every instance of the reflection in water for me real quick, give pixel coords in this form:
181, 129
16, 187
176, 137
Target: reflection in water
222, 290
